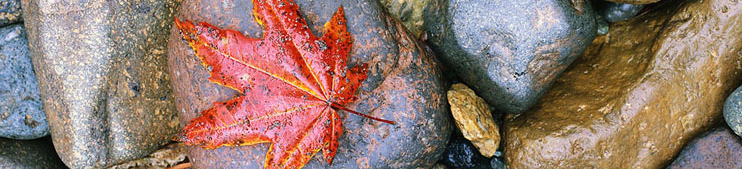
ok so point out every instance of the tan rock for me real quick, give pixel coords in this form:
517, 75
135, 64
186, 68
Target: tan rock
410, 12
474, 119
168, 156
638, 94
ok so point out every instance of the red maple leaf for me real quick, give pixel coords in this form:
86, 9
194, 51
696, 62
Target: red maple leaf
291, 82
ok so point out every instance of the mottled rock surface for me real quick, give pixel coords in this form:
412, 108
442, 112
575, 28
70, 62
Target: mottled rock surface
616, 12
404, 85
10, 12
411, 12
102, 71
21, 154
21, 112
718, 148
733, 111
473, 117
167, 156
636, 99
460, 153
510, 52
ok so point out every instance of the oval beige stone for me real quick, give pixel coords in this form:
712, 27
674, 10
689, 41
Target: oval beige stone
473, 117
638, 94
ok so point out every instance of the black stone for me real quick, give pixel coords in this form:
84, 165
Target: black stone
21, 111
460, 153
510, 52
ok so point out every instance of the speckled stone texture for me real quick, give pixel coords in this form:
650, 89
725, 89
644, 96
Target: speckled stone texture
718, 148
616, 12
636, 95
102, 70
510, 52
10, 12
22, 154
733, 111
21, 111
411, 13
474, 118
403, 85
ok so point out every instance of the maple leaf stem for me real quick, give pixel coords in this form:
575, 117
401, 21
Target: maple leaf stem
335, 105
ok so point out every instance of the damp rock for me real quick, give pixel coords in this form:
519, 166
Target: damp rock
718, 148
616, 12
733, 111
102, 72
635, 104
36, 153
474, 119
10, 12
167, 156
411, 13
460, 153
21, 112
404, 85
510, 52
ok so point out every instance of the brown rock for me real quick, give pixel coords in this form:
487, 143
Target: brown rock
473, 117
411, 12
404, 85
718, 148
638, 94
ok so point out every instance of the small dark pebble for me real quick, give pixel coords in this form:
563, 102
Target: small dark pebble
616, 12
460, 153
496, 163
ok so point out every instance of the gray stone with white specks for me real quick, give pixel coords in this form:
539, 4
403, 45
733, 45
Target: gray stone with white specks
21, 111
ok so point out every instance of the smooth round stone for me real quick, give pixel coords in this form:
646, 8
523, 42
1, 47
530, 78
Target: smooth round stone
21, 111
733, 111
718, 148
404, 85
510, 52
102, 72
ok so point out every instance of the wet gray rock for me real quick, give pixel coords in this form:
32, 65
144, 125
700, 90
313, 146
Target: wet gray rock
718, 148
733, 111
616, 12
102, 71
404, 85
21, 111
510, 52
21, 154
10, 12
